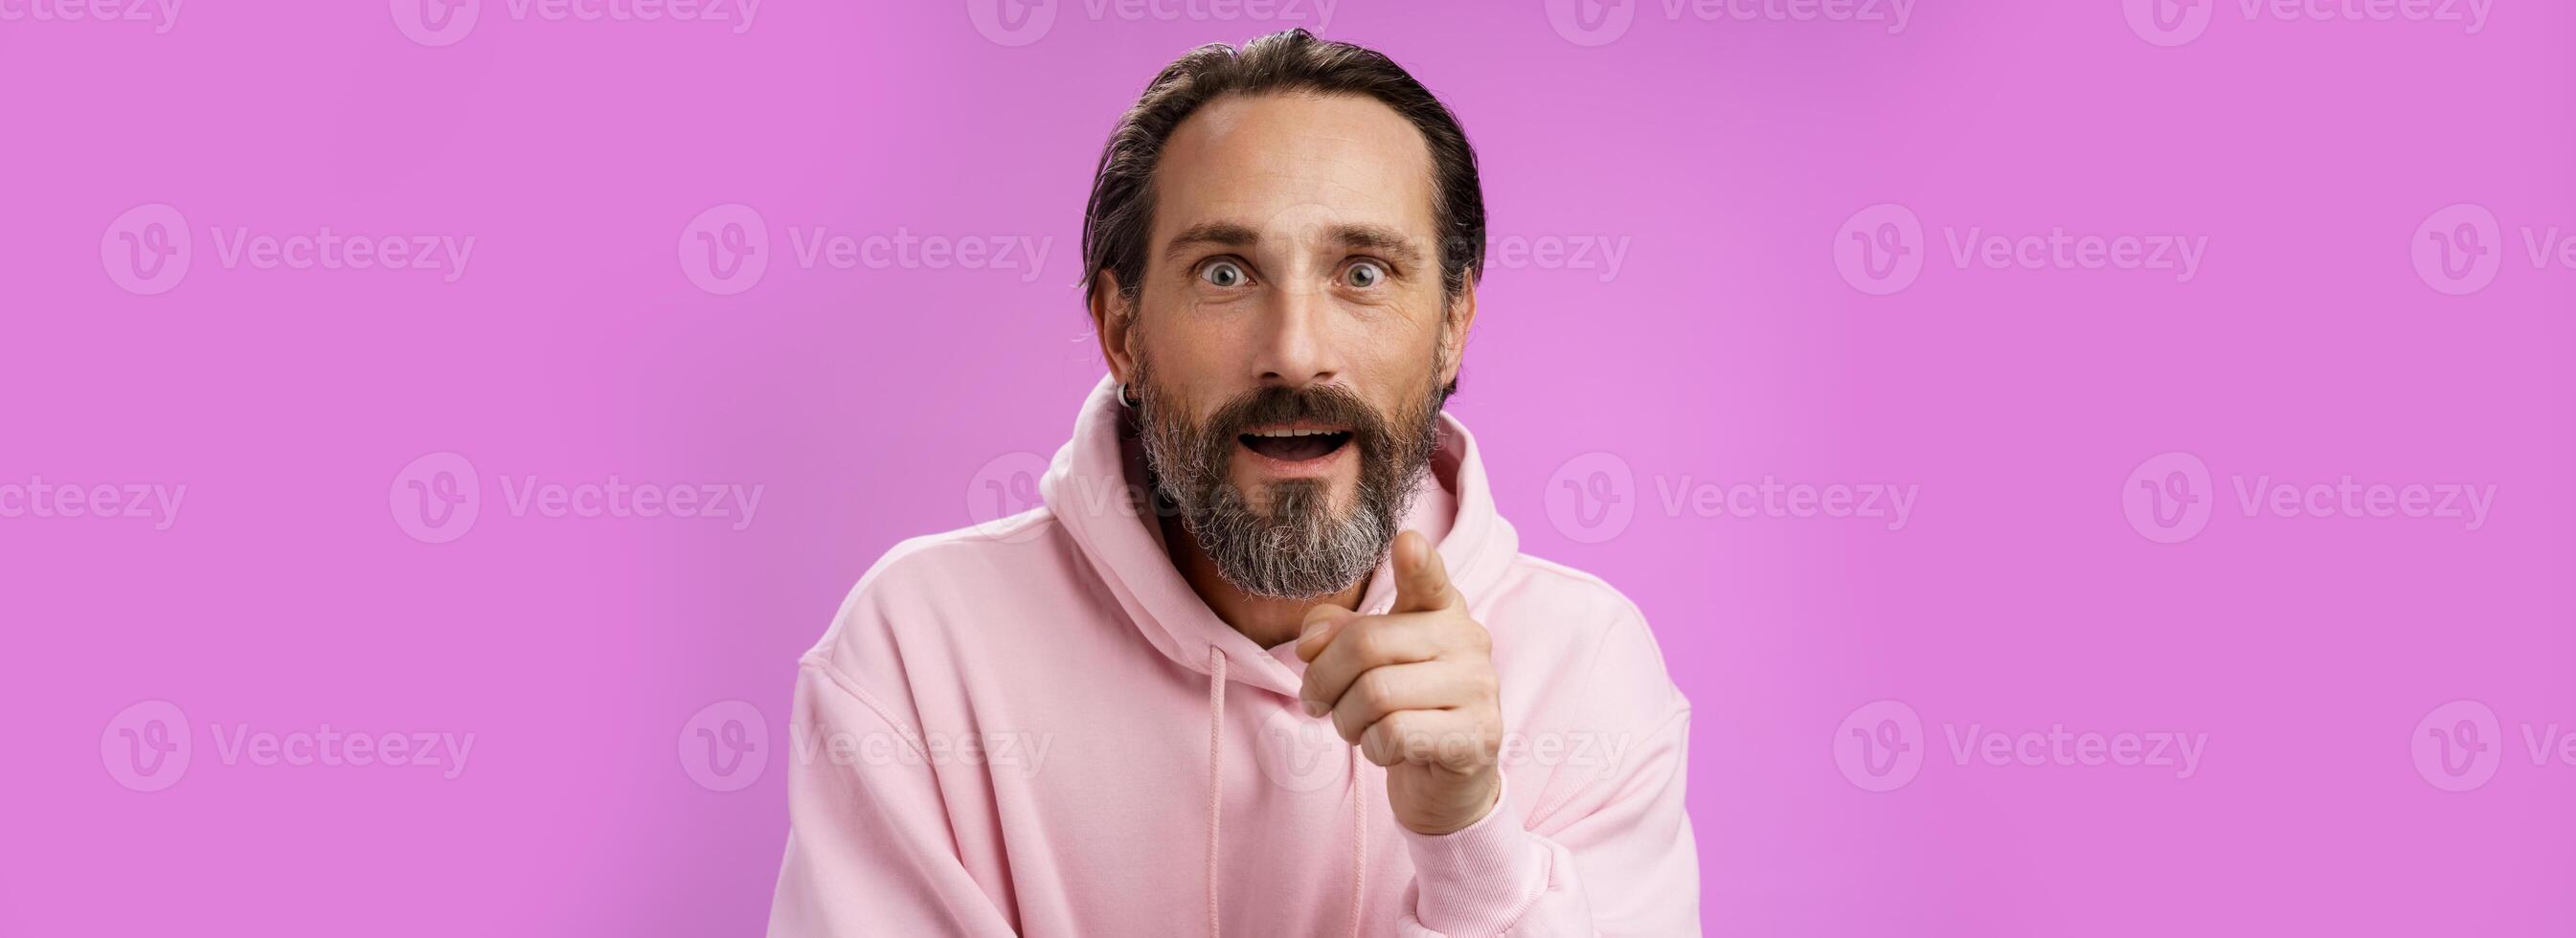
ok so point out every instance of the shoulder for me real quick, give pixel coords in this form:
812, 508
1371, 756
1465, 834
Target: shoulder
925, 588
1581, 633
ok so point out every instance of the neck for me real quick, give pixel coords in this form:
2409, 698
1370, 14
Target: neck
1267, 621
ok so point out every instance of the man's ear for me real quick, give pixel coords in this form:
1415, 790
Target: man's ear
1454, 326
1112, 317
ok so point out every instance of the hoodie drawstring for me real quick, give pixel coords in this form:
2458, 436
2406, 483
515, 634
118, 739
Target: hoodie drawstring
1359, 839
1216, 771
1216, 801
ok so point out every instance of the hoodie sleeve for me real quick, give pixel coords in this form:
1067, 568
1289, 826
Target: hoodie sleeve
869, 849
1616, 857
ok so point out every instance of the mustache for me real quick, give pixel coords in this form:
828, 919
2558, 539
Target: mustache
1329, 404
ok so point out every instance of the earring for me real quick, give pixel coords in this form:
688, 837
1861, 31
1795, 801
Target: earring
1123, 400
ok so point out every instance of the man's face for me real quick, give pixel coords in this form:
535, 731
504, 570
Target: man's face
1290, 337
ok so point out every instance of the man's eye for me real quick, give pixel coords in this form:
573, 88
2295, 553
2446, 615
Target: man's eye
1364, 274
1224, 274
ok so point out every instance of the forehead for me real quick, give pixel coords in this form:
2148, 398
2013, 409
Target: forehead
1281, 162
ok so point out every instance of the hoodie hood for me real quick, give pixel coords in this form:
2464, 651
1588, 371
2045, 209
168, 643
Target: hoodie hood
1096, 488
1017, 631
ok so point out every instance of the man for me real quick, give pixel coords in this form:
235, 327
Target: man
1267, 662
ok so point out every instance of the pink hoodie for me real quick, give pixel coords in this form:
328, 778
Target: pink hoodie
1036, 726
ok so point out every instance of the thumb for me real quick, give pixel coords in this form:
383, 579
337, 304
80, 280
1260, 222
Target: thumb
1323, 621
1421, 579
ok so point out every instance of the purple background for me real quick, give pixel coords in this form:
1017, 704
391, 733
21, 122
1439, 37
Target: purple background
1726, 154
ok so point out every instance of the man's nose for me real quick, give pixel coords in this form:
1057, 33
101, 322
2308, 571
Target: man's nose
1297, 347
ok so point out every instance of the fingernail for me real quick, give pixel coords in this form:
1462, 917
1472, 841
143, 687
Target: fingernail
1314, 709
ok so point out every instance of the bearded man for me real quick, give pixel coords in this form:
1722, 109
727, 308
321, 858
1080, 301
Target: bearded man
1267, 661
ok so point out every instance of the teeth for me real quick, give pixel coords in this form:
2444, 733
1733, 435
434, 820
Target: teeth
1288, 433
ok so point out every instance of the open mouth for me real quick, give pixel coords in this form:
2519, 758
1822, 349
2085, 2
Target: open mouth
1295, 444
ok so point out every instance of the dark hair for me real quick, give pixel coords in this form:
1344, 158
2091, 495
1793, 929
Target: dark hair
1121, 216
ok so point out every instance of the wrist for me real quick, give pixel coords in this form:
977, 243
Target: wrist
1476, 798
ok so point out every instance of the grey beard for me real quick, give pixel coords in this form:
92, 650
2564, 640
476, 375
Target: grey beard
1296, 548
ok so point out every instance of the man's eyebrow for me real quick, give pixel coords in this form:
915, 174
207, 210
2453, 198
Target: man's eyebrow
1381, 239
1226, 234
1377, 238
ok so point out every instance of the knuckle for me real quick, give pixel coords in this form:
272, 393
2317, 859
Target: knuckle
1370, 642
1377, 688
